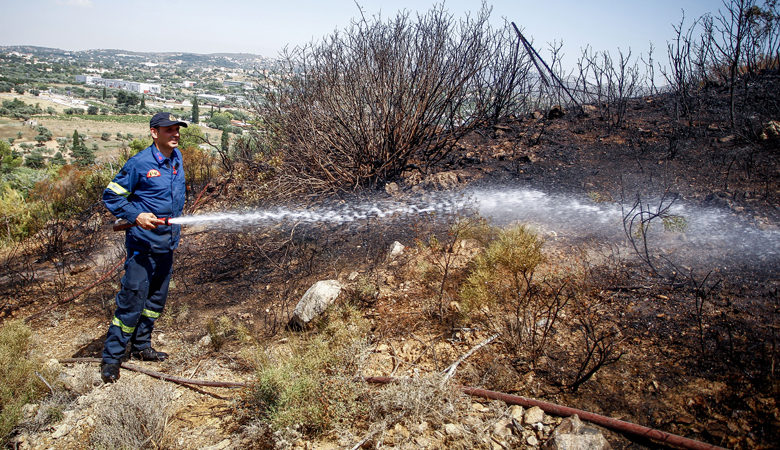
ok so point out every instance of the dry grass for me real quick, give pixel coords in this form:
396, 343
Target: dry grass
18, 382
135, 414
427, 406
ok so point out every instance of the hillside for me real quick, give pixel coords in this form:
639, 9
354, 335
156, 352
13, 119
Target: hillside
686, 326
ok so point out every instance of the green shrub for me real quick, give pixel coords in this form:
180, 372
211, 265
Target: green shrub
504, 270
17, 215
18, 383
309, 384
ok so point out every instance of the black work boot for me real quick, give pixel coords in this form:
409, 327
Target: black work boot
149, 354
109, 372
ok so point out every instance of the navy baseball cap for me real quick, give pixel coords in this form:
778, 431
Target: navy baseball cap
165, 119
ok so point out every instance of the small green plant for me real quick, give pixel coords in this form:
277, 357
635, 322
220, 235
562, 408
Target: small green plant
174, 317
502, 281
365, 292
220, 331
599, 197
678, 224
504, 270
18, 381
309, 383
438, 271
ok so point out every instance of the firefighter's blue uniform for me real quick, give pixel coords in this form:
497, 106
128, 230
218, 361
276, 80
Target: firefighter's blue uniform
148, 182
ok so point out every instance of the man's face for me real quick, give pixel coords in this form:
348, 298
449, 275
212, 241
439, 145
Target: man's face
166, 138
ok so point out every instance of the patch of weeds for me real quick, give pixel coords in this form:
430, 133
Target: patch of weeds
18, 383
307, 387
599, 197
678, 224
134, 415
365, 292
503, 289
50, 411
222, 330
424, 400
441, 269
174, 317
85, 378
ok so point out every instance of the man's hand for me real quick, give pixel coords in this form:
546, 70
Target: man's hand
147, 221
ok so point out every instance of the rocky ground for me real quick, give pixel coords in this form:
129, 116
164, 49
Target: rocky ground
704, 372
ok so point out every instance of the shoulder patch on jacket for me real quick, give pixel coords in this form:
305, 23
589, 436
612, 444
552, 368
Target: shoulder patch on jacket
153, 173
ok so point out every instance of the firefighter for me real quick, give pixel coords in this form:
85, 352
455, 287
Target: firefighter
150, 185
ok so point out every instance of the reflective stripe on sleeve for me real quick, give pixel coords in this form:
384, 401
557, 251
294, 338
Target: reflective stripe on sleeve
121, 325
149, 313
118, 189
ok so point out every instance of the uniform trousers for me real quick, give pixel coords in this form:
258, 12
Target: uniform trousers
139, 303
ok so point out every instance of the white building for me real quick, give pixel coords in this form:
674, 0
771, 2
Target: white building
213, 97
132, 86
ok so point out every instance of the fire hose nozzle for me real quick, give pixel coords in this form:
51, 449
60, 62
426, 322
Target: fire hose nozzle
119, 226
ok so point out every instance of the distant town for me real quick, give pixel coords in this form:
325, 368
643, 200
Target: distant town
219, 80
105, 97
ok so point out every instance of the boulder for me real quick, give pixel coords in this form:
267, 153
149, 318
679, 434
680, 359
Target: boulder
314, 302
392, 188
556, 112
396, 250
572, 434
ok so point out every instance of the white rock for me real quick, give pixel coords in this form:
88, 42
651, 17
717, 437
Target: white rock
205, 341
422, 442
397, 249
401, 430
29, 410
479, 407
61, 431
572, 434
453, 429
501, 428
532, 441
533, 415
516, 412
219, 446
315, 301
353, 275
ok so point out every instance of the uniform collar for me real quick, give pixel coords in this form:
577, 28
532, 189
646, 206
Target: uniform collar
159, 157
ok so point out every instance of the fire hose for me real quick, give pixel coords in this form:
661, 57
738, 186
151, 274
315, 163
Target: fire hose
119, 226
565, 411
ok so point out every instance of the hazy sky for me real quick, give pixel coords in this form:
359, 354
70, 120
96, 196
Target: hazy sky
264, 28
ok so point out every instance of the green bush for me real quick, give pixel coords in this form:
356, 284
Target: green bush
309, 384
17, 215
18, 383
504, 270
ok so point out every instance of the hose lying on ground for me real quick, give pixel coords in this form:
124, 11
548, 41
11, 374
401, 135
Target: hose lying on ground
564, 411
550, 408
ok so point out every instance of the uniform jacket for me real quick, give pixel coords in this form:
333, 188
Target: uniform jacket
149, 182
